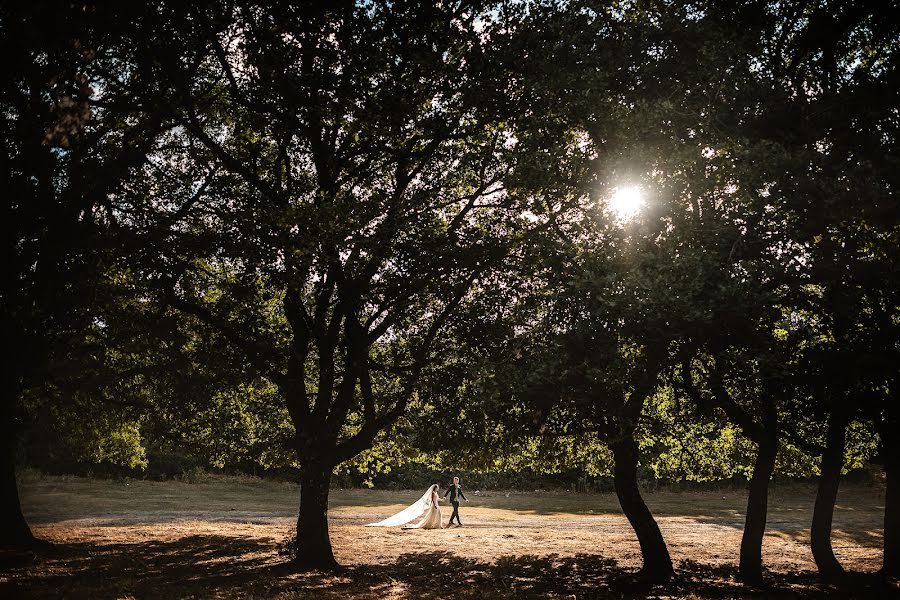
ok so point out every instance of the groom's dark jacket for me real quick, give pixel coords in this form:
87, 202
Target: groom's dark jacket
455, 491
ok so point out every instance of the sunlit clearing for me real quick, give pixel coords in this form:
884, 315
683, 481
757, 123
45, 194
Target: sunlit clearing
626, 202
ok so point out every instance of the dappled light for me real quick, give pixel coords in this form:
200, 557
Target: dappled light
524, 549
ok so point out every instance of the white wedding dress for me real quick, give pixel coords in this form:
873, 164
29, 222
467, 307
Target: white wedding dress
426, 509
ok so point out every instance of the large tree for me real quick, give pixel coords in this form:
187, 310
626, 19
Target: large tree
790, 210
351, 196
66, 153
839, 129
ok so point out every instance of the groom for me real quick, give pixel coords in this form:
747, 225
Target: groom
455, 492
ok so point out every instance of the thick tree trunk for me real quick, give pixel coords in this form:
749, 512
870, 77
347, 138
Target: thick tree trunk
891, 564
14, 530
823, 513
657, 563
757, 507
313, 550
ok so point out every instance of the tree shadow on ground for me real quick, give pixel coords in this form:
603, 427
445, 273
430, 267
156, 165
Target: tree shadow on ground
149, 569
217, 566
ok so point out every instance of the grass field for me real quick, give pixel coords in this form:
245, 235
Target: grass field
217, 539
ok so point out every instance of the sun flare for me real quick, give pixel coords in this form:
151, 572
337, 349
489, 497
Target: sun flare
626, 202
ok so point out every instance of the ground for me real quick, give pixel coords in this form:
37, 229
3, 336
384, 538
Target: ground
217, 538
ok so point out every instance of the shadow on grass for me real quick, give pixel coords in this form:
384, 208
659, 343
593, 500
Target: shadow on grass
207, 566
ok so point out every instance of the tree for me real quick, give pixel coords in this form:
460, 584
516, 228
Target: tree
783, 226
842, 55
65, 155
352, 198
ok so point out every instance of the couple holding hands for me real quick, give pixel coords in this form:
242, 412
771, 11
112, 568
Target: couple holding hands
426, 511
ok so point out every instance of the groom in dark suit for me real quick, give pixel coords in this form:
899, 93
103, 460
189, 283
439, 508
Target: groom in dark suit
455, 492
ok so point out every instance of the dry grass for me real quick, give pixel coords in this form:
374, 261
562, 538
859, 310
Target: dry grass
216, 538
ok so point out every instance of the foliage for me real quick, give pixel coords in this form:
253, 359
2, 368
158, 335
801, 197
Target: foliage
364, 237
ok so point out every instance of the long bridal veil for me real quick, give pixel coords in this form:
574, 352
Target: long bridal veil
411, 512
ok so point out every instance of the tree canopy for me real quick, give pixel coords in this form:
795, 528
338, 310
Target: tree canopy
628, 238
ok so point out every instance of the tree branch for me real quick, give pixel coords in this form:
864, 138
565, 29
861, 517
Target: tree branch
722, 399
254, 356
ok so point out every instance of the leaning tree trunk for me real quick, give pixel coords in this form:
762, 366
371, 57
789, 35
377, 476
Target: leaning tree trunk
313, 546
657, 563
823, 513
891, 448
757, 507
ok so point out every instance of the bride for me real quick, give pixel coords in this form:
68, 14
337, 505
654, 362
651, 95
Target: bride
427, 509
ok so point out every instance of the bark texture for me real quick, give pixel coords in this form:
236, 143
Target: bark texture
751, 567
657, 562
826, 495
313, 549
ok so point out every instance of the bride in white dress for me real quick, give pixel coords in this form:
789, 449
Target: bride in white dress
427, 509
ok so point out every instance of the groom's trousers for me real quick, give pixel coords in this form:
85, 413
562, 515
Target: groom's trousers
455, 514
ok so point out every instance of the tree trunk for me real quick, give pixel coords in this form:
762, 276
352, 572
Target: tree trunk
823, 513
891, 563
757, 507
313, 550
657, 563
14, 530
